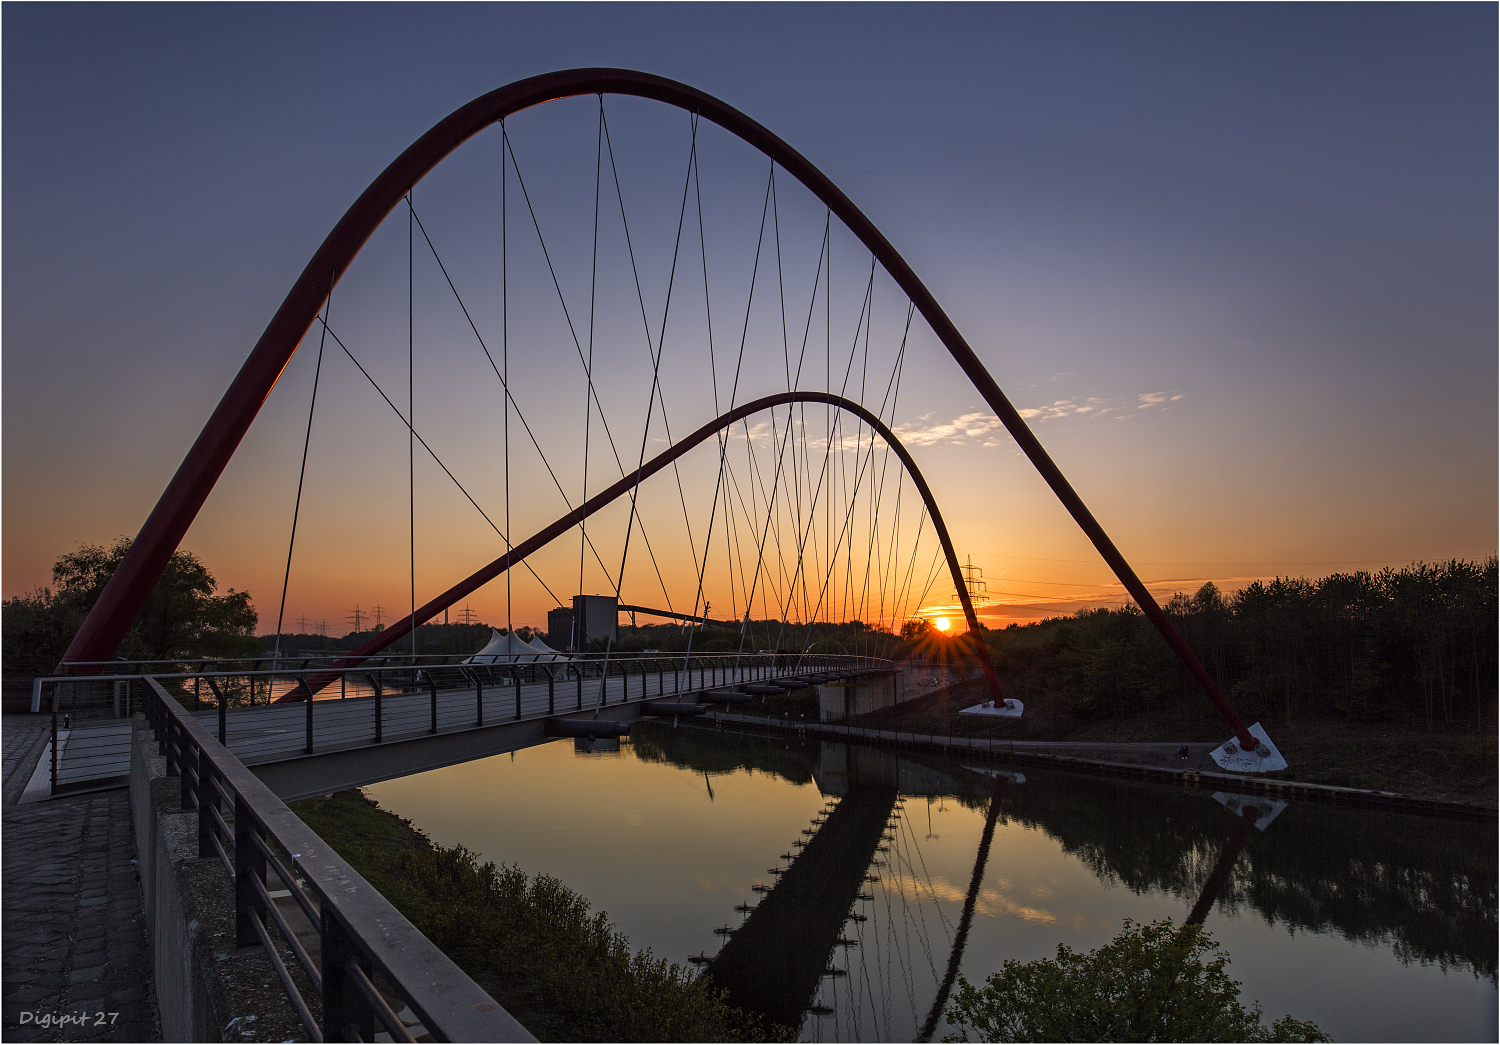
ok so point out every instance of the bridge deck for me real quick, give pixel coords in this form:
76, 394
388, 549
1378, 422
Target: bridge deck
98, 755
262, 734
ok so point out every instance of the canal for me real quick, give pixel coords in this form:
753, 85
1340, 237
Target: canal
750, 855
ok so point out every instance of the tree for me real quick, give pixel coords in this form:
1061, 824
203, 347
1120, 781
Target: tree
182, 615
37, 630
916, 630
1150, 983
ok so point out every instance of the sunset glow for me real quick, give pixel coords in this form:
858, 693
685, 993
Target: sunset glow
941, 623
1189, 383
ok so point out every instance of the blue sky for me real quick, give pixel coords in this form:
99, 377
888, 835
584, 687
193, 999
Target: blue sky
1264, 234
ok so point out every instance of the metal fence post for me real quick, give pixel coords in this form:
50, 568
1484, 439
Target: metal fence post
223, 711
249, 863
347, 1015
432, 684
551, 690
168, 747
54, 748
187, 754
516, 673
307, 693
375, 685
207, 800
158, 724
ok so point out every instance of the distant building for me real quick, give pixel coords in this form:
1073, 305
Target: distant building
560, 628
594, 617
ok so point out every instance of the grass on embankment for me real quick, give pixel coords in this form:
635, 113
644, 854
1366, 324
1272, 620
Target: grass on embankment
1379, 756
565, 972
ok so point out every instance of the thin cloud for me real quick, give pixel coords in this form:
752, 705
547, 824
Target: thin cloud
956, 432
985, 428
988, 903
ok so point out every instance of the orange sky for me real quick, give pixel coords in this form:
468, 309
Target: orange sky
1252, 320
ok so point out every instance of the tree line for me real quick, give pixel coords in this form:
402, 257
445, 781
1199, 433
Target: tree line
1414, 643
1418, 642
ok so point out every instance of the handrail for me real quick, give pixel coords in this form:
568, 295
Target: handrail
445, 659
222, 668
359, 930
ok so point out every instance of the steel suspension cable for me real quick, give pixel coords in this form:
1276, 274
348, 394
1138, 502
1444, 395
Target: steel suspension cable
510, 627
567, 315
432, 453
588, 366
657, 394
302, 473
510, 399
656, 354
891, 391
828, 450
411, 399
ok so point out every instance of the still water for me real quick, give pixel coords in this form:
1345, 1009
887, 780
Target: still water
1376, 926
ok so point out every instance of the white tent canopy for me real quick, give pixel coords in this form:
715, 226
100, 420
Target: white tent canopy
504, 649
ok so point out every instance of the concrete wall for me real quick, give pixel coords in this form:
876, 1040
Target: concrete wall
839, 701
206, 988
915, 679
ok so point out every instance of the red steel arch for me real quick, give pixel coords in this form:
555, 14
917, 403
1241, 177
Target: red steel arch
132, 582
543, 537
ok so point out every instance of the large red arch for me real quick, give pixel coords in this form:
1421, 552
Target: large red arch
132, 582
556, 529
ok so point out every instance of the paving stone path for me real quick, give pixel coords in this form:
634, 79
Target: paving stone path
73, 932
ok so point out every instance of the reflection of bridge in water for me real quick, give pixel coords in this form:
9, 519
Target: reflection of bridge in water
1311, 872
776, 962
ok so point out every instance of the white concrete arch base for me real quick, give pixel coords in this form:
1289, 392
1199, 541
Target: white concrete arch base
1264, 759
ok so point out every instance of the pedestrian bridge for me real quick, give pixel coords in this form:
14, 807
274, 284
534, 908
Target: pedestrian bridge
369, 724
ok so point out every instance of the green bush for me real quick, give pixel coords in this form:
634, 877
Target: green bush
1150, 983
557, 966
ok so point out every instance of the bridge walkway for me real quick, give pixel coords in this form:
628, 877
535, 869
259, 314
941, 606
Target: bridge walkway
278, 731
94, 754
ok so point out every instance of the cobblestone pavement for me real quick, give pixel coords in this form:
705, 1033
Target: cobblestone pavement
73, 932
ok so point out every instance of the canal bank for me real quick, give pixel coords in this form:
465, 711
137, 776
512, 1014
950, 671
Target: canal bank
1143, 761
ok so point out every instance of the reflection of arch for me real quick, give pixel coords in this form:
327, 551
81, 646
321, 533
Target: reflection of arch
132, 582
541, 538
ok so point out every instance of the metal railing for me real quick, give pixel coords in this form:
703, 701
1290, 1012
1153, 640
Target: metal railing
264, 680
375, 705
362, 939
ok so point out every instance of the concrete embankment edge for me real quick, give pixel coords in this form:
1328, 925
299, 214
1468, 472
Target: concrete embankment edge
1016, 754
207, 989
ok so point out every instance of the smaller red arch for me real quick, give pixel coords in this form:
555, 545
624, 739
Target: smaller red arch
603, 498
